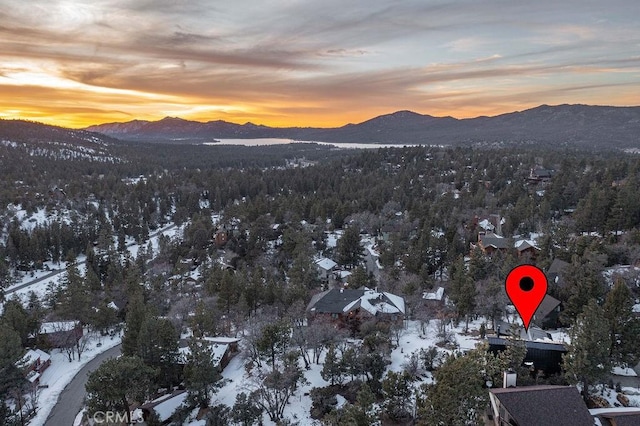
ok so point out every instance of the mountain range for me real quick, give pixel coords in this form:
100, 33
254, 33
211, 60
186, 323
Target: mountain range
580, 126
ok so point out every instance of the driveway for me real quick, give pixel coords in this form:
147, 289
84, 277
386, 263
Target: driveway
71, 399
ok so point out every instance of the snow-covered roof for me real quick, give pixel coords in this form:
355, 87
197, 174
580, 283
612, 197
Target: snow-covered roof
56, 326
485, 224
326, 263
167, 404
33, 376
343, 274
436, 295
375, 302
218, 346
521, 245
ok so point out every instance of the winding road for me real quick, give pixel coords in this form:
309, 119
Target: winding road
71, 399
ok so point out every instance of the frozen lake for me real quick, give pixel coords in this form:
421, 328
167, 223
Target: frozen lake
277, 141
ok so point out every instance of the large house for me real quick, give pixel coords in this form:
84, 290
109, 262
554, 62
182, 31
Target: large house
60, 334
544, 357
539, 405
349, 306
489, 243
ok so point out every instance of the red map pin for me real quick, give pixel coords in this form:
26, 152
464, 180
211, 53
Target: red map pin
526, 286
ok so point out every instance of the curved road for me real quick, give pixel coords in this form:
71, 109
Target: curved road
71, 398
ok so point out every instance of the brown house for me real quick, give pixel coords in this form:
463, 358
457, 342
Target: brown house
60, 334
348, 307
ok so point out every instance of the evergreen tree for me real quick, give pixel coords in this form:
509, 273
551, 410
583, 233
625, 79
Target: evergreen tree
587, 360
458, 396
349, 247
332, 370
118, 383
201, 375
136, 314
158, 348
624, 328
245, 411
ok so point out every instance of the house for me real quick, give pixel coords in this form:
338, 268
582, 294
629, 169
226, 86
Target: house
434, 299
540, 175
33, 364
220, 238
539, 405
489, 243
164, 406
488, 223
548, 313
222, 350
622, 416
59, 334
325, 266
349, 307
526, 247
555, 273
544, 357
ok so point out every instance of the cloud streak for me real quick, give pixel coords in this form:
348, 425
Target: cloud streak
310, 63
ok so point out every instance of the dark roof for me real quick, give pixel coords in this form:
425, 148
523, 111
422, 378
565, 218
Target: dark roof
499, 243
557, 266
544, 405
620, 419
548, 304
547, 346
333, 301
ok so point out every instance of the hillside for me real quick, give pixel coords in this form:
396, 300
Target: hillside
573, 126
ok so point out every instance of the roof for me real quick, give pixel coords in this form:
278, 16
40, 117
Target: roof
485, 224
338, 301
57, 326
326, 263
547, 346
437, 295
557, 266
493, 240
544, 405
548, 304
621, 416
167, 404
217, 345
523, 245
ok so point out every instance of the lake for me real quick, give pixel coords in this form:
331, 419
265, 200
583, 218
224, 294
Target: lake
277, 141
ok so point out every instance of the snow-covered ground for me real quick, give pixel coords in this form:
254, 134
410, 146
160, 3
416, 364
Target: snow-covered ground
40, 288
61, 372
299, 408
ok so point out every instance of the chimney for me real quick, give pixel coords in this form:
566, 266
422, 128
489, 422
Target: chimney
509, 379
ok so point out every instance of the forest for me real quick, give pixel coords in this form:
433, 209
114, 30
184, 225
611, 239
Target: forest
278, 207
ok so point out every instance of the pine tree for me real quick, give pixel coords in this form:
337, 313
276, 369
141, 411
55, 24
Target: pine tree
245, 411
158, 347
201, 375
458, 396
136, 314
332, 370
587, 360
118, 383
624, 328
349, 247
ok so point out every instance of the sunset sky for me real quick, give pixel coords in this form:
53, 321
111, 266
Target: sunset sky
311, 63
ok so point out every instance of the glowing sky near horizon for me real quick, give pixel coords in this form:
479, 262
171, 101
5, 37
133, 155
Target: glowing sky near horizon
310, 63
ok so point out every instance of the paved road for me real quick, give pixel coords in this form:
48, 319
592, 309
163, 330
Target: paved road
71, 399
60, 271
